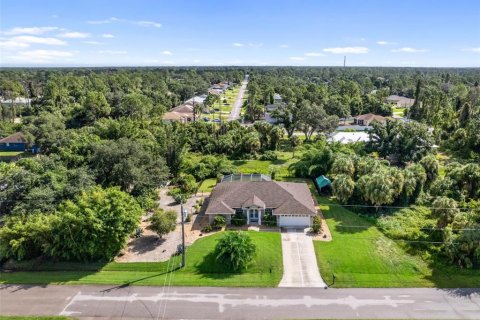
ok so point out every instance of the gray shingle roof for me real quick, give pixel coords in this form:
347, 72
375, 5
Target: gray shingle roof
283, 197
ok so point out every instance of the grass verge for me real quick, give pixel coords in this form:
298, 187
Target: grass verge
364, 257
202, 269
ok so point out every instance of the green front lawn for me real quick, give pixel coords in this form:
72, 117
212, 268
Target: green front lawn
202, 269
362, 256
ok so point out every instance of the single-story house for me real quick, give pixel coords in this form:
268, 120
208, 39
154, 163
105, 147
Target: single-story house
182, 113
399, 101
290, 203
367, 119
16, 142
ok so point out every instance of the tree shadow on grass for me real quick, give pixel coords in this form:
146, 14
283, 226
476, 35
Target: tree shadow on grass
129, 283
213, 269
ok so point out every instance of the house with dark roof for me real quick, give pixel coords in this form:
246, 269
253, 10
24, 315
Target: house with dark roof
290, 203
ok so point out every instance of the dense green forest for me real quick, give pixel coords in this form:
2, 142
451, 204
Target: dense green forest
105, 151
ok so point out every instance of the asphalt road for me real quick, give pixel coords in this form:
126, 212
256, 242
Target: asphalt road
237, 105
239, 303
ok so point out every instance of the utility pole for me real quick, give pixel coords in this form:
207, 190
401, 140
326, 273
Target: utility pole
344, 61
183, 234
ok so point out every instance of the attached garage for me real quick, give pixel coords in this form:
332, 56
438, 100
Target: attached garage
294, 221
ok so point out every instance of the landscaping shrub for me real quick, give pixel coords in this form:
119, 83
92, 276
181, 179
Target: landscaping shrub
239, 219
269, 220
317, 224
208, 228
163, 222
236, 250
218, 222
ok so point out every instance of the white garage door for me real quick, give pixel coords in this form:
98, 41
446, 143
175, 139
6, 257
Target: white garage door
294, 221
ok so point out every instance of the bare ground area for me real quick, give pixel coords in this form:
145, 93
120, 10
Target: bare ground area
150, 248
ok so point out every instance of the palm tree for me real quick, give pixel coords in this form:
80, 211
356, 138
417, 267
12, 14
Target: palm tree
445, 210
343, 187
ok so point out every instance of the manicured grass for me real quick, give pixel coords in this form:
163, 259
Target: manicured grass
398, 111
363, 257
10, 153
207, 185
266, 166
202, 269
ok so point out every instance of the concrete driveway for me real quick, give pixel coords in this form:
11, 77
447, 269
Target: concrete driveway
299, 261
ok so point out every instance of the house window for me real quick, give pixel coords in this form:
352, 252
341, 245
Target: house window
238, 210
268, 211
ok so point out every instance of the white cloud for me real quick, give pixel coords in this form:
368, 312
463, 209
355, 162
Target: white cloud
409, 50
385, 43
108, 35
314, 54
196, 61
343, 50
39, 40
41, 56
148, 24
10, 44
255, 45
94, 43
112, 52
30, 30
284, 46
237, 44
167, 53
472, 49
297, 58
141, 23
74, 35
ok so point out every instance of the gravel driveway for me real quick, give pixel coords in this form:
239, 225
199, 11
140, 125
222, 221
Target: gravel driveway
299, 261
149, 248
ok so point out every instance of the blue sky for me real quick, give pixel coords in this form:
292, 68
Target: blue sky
431, 33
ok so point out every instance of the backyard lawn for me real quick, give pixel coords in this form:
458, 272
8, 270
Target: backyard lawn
202, 269
361, 256
207, 185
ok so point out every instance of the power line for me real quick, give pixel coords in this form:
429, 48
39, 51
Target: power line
391, 207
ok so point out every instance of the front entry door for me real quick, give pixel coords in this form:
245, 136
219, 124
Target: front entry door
254, 215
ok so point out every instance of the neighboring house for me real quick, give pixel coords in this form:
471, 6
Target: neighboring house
350, 137
182, 113
16, 101
367, 119
400, 102
16, 142
269, 108
291, 203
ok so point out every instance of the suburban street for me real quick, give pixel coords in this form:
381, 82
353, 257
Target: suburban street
237, 105
238, 303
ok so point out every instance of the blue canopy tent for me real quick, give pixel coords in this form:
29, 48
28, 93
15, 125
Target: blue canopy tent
322, 182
